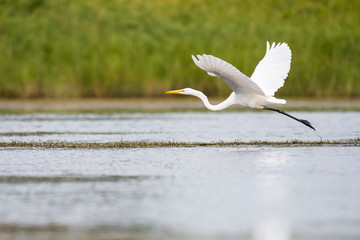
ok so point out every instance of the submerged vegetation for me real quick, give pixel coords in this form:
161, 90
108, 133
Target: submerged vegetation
122, 48
145, 144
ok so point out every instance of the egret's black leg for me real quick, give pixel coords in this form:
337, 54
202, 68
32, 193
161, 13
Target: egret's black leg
305, 122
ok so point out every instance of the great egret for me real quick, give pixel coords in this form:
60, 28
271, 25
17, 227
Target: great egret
254, 92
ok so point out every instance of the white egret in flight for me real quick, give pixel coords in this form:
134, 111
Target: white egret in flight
254, 92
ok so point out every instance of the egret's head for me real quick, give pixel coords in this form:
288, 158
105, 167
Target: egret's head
185, 91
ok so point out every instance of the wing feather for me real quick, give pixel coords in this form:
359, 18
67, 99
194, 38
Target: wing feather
236, 80
273, 69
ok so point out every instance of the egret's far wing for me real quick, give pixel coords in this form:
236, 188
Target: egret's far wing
236, 80
272, 70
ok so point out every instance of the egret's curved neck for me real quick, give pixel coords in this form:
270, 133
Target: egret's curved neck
228, 102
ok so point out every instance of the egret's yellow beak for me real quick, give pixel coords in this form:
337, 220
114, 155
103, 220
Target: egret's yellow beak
175, 91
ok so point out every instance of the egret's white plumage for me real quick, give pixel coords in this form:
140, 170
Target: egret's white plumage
273, 69
254, 92
258, 90
236, 80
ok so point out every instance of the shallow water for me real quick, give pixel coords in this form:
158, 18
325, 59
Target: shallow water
244, 192
189, 127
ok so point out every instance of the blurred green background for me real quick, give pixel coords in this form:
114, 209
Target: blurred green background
141, 48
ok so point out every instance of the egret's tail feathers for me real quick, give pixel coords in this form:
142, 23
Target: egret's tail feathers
276, 100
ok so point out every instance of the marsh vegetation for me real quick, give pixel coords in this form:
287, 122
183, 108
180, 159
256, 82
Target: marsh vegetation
138, 48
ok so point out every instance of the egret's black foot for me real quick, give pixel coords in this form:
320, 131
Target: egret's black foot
307, 123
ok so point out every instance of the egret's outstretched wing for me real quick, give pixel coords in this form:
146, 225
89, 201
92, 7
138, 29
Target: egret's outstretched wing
236, 80
272, 70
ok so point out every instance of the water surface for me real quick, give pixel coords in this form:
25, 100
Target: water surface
189, 127
248, 192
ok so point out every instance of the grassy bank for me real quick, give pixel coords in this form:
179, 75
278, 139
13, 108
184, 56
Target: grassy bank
122, 48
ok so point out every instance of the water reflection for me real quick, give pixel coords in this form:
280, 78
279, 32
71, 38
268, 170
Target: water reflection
273, 186
272, 229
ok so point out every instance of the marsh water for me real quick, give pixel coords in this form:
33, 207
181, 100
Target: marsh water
243, 192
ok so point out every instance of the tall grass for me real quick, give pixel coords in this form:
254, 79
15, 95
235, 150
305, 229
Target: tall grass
133, 48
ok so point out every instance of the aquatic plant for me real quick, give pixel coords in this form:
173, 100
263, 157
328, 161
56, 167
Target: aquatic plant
147, 144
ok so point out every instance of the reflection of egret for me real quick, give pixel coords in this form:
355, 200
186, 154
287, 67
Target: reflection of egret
254, 92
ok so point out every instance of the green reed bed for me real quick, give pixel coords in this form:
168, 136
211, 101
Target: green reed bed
122, 48
146, 144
